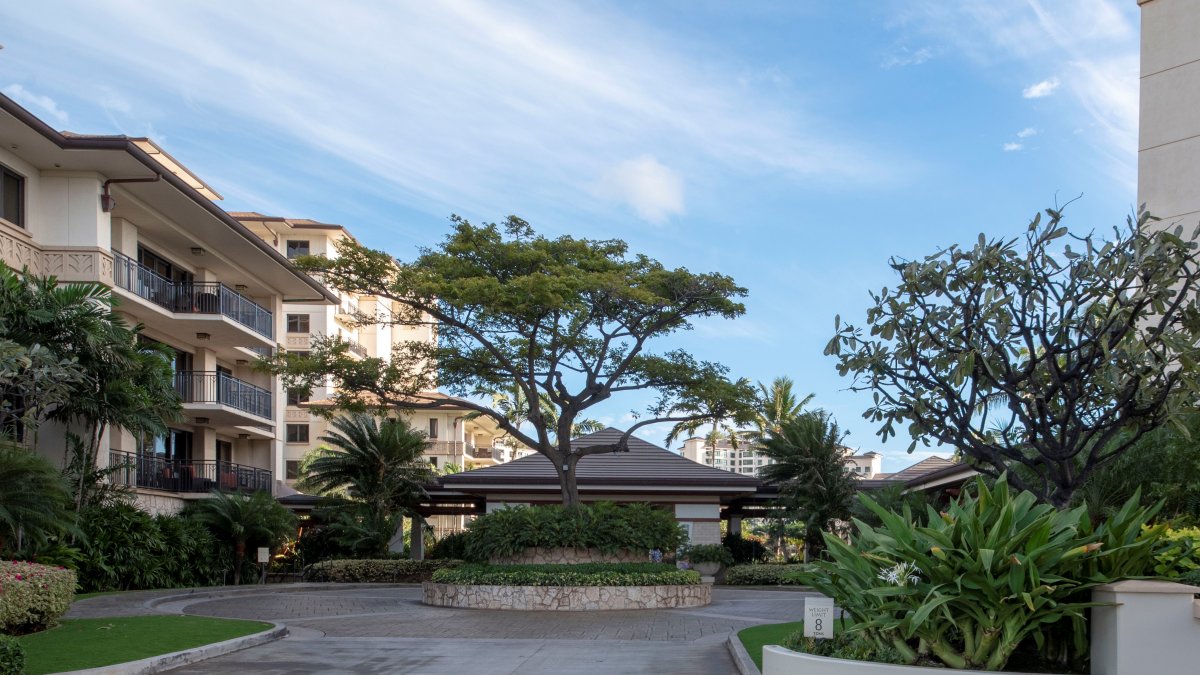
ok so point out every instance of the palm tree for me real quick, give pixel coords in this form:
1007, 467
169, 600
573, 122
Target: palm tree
34, 499
811, 471
725, 425
241, 521
372, 462
777, 405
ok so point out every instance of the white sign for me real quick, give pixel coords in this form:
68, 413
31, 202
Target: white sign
818, 617
264, 555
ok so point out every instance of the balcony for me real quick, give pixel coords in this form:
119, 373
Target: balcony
185, 475
203, 300
356, 348
468, 451
211, 393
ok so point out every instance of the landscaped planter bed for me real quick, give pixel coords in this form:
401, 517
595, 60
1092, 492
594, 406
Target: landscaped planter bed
565, 598
536, 555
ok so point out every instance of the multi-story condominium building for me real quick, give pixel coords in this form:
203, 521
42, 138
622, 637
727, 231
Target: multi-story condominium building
122, 212
746, 458
454, 437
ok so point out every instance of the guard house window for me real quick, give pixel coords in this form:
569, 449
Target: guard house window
12, 197
297, 248
297, 433
433, 428
297, 323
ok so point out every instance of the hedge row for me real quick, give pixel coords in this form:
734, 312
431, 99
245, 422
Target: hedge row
376, 571
587, 574
764, 575
33, 596
603, 525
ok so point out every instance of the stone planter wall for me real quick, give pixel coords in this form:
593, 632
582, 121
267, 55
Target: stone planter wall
565, 598
780, 661
568, 556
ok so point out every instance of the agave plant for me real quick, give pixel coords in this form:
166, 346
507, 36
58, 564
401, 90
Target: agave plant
970, 584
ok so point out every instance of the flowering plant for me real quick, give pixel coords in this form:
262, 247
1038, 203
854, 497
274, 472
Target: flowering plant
33, 596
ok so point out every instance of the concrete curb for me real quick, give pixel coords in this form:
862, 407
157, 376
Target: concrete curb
741, 657
157, 664
213, 592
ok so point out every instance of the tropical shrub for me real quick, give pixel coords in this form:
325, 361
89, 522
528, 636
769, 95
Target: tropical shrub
33, 596
240, 522
744, 549
844, 645
971, 584
376, 571
34, 499
765, 574
1180, 556
702, 553
603, 525
122, 548
12, 656
453, 546
586, 574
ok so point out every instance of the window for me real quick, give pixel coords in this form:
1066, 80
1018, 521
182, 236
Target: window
433, 461
175, 444
296, 397
292, 469
297, 323
433, 428
297, 248
297, 433
12, 197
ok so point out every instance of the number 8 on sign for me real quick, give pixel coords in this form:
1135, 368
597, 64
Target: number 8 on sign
818, 617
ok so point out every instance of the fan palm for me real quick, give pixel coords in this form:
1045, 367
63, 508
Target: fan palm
374, 462
34, 499
241, 520
811, 472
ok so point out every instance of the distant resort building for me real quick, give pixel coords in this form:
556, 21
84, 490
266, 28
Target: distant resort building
746, 458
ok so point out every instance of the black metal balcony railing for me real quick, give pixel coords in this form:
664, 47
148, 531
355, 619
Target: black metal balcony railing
185, 475
356, 348
194, 297
206, 386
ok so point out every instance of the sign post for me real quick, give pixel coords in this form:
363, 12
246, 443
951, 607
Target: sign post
818, 618
264, 557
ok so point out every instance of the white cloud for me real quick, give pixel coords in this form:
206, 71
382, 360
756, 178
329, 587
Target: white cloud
1093, 46
1041, 89
1027, 132
43, 105
654, 191
906, 57
464, 105
1012, 147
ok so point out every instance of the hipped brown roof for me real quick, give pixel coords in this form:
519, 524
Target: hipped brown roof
644, 464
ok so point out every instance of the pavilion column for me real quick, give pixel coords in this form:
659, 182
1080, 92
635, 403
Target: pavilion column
735, 526
416, 542
396, 543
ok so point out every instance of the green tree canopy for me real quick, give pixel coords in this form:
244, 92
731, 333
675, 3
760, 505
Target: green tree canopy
573, 320
810, 468
1055, 351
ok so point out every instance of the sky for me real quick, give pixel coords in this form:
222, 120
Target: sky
794, 145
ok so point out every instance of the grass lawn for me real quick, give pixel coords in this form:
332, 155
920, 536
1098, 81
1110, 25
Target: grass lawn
753, 639
94, 594
91, 643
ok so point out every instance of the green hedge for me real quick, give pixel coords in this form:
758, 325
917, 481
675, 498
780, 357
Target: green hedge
586, 574
764, 575
450, 547
376, 571
33, 596
12, 656
604, 525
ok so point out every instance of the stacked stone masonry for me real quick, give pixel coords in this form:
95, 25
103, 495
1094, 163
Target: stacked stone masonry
568, 556
565, 598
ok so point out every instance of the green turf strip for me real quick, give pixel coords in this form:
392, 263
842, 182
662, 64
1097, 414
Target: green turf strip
755, 638
91, 643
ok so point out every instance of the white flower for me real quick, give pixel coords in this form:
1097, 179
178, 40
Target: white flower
901, 574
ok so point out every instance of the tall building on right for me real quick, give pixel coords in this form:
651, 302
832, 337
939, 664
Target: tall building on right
1168, 127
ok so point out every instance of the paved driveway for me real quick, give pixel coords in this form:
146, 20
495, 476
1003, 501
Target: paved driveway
385, 629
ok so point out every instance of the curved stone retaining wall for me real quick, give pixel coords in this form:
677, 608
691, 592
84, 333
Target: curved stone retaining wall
568, 556
565, 598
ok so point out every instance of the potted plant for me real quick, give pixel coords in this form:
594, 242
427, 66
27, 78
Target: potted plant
707, 559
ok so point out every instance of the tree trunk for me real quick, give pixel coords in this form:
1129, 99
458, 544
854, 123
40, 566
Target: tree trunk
239, 555
566, 479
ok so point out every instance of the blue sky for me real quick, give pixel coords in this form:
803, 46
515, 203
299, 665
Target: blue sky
793, 145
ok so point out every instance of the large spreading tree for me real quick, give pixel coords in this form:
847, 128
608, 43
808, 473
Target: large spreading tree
1049, 354
563, 319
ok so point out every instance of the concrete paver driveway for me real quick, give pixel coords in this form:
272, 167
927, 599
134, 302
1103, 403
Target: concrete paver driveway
385, 629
